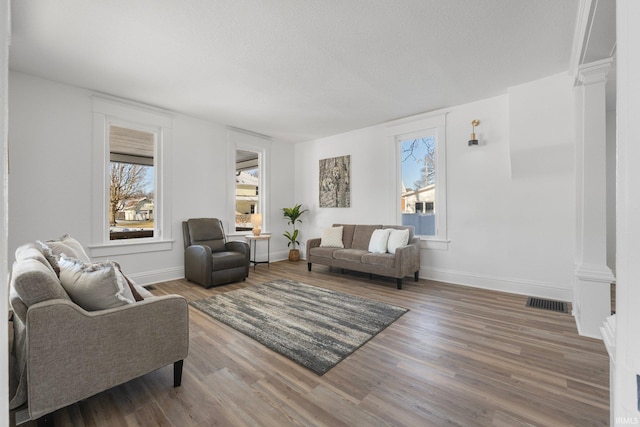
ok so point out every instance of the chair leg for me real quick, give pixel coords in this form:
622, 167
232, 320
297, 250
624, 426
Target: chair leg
399, 283
177, 373
416, 275
309, 266
45, 421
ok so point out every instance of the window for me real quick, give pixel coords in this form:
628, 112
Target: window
249, 153
418, 163
130, 204
421, 162
247, 199
131, 183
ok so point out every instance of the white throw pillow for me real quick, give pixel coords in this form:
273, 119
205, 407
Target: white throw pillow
52, 249
94, 286
332, 238
378, 242
397, 238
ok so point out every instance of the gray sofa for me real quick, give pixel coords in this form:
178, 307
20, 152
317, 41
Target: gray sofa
356, 256
62, 353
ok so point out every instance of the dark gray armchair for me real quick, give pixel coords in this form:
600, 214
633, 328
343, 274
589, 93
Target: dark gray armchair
209, 259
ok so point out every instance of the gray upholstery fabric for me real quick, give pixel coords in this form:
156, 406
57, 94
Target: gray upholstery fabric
74, 354
62, 354
347, 234
355, 256
209, 259
362, 236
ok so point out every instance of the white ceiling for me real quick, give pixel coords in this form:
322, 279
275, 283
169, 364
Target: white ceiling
294, 69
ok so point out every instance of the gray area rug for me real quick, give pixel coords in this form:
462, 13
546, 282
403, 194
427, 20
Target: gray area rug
314, 327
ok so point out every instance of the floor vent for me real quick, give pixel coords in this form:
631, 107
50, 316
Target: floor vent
547, 304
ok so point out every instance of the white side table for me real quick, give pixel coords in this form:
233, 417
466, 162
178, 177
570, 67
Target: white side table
252, 248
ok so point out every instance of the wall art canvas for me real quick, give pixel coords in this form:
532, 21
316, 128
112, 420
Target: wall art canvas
335, 182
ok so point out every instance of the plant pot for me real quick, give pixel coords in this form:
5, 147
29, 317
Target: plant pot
294, 254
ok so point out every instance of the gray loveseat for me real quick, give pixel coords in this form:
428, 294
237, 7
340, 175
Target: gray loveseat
355, 254
62, 353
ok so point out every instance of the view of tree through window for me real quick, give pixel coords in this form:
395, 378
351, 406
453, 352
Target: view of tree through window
247, 189
132, 184
418, 204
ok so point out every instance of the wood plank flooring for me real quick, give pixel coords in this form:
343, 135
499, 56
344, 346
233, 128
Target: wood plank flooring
460, 357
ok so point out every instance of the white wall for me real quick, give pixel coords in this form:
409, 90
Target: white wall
627, 345
4, 276
510, 220
50, 133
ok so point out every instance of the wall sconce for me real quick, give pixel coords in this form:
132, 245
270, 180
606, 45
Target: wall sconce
473, 140
256, 220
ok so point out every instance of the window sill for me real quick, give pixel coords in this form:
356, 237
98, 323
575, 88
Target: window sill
118, 247
436, 244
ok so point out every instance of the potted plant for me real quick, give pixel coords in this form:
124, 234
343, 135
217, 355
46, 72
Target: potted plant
293, 214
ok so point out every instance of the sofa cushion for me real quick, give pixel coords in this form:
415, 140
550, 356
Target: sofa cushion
385, 260
349, 254
362, 236
347, 234
32, 251
94, 286
378, 241
332, 238
67, 245
34, 282
323, 252
397, 238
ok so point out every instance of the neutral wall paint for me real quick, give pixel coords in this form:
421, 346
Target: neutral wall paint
50, 132
510, 223
4, 275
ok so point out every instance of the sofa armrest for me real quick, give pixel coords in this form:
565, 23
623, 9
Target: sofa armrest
313, 243
73, 354
408, 258
197, 264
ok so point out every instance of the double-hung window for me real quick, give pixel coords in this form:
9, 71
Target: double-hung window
250, 152
421, 178
130, 206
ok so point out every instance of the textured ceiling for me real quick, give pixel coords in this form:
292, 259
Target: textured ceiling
294, 69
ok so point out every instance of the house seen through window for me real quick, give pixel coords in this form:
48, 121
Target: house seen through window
418, 202
132, 183
247, 199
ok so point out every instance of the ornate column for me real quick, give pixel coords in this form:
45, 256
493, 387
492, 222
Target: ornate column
592, 293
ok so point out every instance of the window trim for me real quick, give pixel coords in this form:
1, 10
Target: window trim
240, 139
109, 111
426, 125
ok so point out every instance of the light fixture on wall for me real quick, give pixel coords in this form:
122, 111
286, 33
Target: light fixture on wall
473, 140
256, 220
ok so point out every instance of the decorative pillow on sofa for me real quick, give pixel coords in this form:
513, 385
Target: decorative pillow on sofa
67, 245
397, 238
332, 238
131, 283
378, 242
94, 286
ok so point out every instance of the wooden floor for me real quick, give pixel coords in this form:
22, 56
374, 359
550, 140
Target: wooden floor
460, 356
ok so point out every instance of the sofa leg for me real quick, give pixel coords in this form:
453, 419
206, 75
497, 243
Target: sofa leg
416, 275
177, 373
45, 421
399, 283
309, 266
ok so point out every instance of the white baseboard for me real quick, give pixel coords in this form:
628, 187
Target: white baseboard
503, 284
157, 276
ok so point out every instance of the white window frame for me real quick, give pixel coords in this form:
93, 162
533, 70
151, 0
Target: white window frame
427, 125
108, 111
240, 139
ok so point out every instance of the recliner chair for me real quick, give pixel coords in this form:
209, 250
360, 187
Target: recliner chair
209, 259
